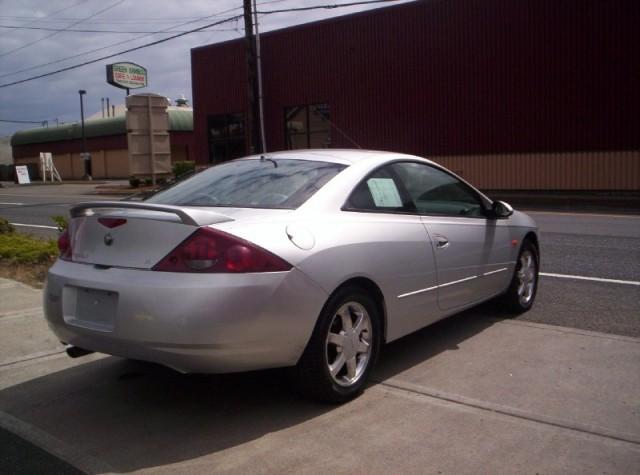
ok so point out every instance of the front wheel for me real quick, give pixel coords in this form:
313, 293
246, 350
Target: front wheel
342, 350
524, 284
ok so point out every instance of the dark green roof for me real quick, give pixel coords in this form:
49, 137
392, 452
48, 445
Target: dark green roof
179, 121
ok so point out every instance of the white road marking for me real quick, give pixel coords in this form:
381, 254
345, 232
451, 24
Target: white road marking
594, 279
16, 204
34, 226
567, 213
495, 271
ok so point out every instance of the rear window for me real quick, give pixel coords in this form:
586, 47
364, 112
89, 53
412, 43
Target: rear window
264, 183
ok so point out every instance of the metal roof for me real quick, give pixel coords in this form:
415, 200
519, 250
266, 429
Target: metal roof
179, 121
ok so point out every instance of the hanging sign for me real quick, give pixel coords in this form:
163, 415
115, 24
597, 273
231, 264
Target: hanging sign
126, 75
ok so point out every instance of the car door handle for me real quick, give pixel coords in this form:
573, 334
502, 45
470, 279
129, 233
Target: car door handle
442, 242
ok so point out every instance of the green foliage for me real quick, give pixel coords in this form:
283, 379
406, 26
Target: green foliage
23, 249
6, 227
182, 167
134, 181
61, 222
148, 181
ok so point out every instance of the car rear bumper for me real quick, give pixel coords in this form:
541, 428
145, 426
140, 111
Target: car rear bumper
209, 323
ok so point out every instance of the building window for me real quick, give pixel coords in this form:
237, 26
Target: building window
308, 126
226, 137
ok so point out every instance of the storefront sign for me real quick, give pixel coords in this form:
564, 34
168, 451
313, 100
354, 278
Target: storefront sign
126, 75
22, 172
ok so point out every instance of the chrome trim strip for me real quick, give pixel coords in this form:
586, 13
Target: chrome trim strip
429, 289
409, 294
494, 271
458, 281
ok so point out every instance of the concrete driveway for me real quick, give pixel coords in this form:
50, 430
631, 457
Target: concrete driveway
472, 394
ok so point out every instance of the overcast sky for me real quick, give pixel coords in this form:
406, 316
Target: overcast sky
25, 52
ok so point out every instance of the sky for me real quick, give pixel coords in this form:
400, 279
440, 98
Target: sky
28, 41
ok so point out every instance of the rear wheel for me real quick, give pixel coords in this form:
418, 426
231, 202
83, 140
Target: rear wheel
522, 291
342, 350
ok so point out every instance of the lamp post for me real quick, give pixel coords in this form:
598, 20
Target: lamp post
86, 157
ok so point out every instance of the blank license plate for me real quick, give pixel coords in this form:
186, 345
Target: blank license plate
89, 308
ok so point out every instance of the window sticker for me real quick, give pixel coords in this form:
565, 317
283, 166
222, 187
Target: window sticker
384, 192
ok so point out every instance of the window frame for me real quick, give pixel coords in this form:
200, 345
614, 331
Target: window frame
485, 204
307, 133
227, 139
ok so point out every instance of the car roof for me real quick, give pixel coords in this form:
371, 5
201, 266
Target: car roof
335, 155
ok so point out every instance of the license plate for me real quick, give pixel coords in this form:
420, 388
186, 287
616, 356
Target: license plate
89, 308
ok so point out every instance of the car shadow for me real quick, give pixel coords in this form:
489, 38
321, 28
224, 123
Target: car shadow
135, 415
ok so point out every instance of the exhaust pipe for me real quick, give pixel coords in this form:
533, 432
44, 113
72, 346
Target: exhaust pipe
76, 352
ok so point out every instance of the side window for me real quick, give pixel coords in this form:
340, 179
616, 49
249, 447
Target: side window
380, 192
435, 192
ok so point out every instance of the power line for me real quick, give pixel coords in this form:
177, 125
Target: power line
24, 121
102, 48
153, 43
118, 2
16, 27
35, 19
326, 7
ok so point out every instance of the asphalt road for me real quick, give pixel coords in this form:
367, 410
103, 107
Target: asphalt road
35, 205
596, 246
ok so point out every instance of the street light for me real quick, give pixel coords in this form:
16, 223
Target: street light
86, 157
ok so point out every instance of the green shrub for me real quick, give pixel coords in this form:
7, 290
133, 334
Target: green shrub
61, 222
182, 167
6, 227
23, 249
134, 181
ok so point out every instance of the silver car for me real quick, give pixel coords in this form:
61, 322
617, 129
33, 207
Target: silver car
305, 259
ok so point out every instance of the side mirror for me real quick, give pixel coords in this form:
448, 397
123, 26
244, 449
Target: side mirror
501, 209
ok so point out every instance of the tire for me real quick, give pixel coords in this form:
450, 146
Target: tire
523, 288
337, 361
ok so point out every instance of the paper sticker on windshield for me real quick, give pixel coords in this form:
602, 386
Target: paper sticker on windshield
384, 192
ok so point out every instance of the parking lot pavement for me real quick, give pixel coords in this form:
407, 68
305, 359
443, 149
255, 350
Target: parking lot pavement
470, 394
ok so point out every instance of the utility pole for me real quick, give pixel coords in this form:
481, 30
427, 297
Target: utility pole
252, 104
263, 139
86, 157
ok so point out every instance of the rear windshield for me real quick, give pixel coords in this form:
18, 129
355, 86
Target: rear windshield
268, 183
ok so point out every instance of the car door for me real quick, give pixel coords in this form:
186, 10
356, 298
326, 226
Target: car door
471, 249
399, 255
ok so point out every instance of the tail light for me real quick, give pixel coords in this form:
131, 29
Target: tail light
64, 246
212, 251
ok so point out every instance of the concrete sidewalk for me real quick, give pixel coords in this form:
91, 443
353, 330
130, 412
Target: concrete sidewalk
468, 395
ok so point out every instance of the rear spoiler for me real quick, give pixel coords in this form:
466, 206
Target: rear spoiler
188, 216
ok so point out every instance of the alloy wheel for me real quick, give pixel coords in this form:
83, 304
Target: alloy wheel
348, 344
526, 277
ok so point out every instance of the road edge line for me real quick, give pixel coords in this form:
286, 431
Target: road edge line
591, 279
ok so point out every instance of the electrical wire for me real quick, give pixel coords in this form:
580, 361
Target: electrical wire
153, 43
129, 40
113, 5
326, 7
23, 121
15, 27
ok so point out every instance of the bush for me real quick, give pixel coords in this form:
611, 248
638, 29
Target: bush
134, 181
23, 249
6, 227
61, 222
182, 167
